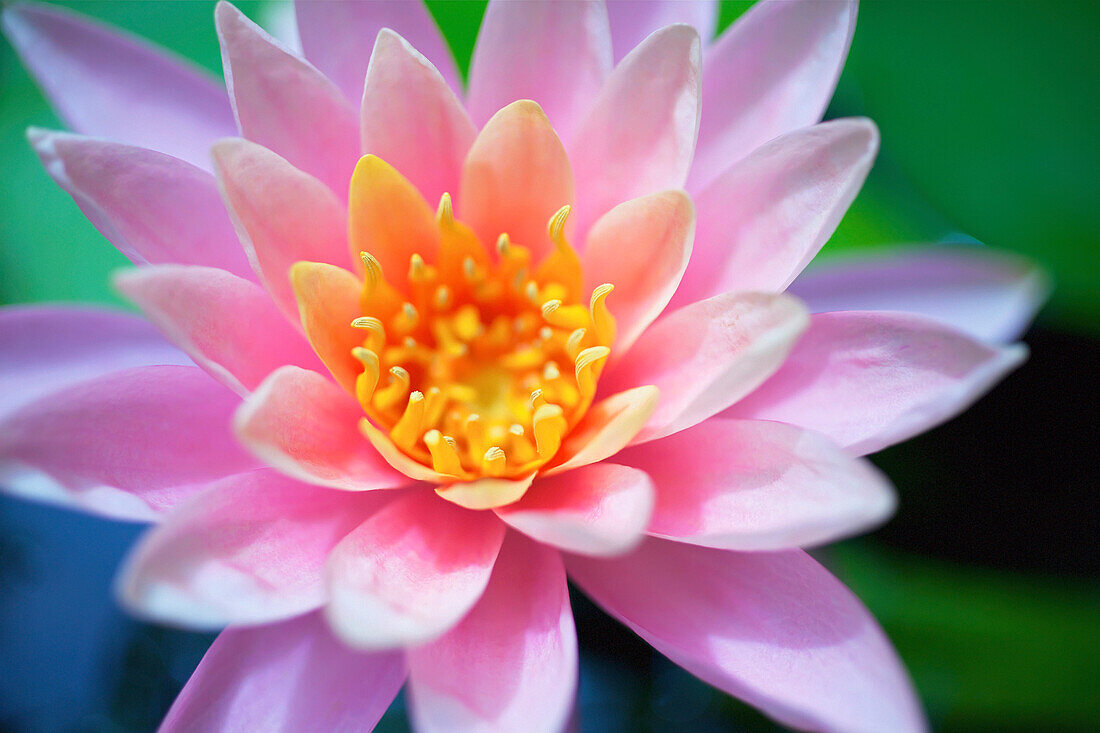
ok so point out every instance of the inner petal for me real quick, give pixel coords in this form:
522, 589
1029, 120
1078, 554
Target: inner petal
479, 363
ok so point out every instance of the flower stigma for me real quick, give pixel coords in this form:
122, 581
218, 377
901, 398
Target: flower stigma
482, 362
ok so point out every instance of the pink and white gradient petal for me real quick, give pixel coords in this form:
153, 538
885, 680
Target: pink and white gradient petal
152, 207
706, 356
285, 104
761, 222
557, 53
633, 20
281, 214
642, 248
869, 380
123, 444
774, 629
410, 572
335, 34
305, 426
639, 135
771, 72
600, 509
758, 485
411, 119
250, 549
511, 663
50, 347
289, 676
106, 84
190, 304
988, 294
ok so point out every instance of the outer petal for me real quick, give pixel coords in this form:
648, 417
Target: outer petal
642, 248
555, 52
516, 176
283, 103
389, 218
511, 664
411, 119
639, 135
990, 295
335, 33
633, 20
250, 549
151, 206
281, 214
706, 356
411, 571
869, 380
764, 219
129, 444
774, 629
292, 677
772, 72
755, 485
305, 426
49, 347
601, 509
109, 85
229, 326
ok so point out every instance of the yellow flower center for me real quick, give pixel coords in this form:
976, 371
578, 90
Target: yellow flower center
483, 362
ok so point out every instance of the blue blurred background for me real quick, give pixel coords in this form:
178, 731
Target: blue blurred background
987, 579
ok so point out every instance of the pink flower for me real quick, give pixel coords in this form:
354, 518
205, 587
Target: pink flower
471, 415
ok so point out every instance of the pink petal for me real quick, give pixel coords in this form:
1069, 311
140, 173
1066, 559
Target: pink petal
229, 326
763, 220
556, 53
774, 629
516, 176
151, 206
639, 135
282, 216
250, 549
642, 248
411, 571
632, 21
50, 347
411, 119
755, 485
601, 509
285, 104
772, 72
511, 664
608, 427
130, 444
304, 425
988, 294
869, 380
291, 676
110, 85
706, 356
336, 33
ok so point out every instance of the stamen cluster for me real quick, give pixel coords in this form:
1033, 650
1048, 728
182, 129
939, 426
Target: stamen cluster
481, 364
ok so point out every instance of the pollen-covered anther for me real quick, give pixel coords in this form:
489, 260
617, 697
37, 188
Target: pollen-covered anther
464, 361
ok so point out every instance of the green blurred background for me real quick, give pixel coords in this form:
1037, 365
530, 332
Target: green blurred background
987, 580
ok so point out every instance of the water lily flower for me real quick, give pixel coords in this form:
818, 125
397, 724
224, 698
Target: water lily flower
415, 353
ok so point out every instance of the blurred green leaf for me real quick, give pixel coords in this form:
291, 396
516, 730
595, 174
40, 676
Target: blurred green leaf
988, 650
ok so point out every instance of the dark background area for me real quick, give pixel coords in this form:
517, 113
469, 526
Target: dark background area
986, 579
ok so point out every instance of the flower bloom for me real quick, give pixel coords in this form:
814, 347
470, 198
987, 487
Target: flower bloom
473, 342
